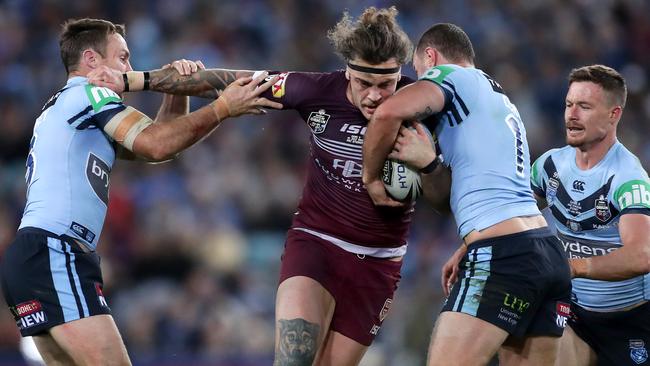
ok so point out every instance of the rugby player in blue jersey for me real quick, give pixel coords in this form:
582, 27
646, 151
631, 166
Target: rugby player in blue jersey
50, 273
513, 279
599, 199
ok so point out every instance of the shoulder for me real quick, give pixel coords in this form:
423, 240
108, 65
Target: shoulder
404, 81
546, 164
441, 73
558, 153
627, 166
98, 97
308, 83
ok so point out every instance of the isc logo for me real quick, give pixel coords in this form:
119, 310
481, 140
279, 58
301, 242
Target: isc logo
354, 129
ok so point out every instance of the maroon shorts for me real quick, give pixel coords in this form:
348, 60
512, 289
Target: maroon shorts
362, 287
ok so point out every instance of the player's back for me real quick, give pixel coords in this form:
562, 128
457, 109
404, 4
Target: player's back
69, 163
483, 140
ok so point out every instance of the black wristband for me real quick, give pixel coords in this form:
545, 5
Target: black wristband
432, 165
145, 86
126, 82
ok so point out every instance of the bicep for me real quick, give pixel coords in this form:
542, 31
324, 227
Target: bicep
126, 125
417, 101
634, 229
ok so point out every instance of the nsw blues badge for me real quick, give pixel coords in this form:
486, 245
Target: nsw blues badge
638, 352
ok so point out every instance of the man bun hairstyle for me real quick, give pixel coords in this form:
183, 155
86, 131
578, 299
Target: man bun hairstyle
78, 35
375, 37
608, 79
450, 40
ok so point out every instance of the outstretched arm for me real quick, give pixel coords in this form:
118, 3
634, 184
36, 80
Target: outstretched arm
414, 102
161, 141
631, 260
208, 83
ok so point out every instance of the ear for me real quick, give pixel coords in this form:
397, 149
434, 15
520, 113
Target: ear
90, 58
615, 113
432, 56
347, 74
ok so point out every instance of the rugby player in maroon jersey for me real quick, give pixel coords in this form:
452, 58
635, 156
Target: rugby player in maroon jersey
342, 258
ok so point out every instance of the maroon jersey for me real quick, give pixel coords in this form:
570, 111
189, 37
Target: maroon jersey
334, 201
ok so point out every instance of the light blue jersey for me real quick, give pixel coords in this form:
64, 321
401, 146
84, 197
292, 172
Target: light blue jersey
483, 140
70, 161
586, 206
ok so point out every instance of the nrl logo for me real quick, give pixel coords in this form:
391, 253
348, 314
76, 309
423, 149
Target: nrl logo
317, 121
602, 209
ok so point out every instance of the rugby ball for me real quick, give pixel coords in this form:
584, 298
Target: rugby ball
402, 182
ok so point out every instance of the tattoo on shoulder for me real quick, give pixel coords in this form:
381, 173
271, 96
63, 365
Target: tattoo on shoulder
207, 83
297, 343
424, 114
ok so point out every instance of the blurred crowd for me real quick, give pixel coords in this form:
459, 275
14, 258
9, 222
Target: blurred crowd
191, 248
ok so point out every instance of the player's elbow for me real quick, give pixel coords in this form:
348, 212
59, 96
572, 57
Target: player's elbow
383, 114
159, 154
150, 149
645, 261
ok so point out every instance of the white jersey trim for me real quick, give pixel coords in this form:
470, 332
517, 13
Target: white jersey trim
358, 249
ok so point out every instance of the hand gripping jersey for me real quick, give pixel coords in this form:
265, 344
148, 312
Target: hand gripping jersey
335, 205
586, 206
69, 162
483, 140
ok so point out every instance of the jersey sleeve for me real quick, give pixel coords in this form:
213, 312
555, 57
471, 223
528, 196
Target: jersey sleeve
443, 76
102, 104
632, 192
538, 175
293, 88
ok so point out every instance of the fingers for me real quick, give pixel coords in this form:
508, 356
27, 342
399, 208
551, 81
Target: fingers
263, 102
186, 67
243, 80
419, 128
389, 202
443, 280
262, 88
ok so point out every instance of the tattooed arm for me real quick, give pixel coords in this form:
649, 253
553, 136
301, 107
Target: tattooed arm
416, 101
207, 83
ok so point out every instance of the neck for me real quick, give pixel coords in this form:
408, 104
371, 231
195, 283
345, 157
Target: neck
587, 158
80, 71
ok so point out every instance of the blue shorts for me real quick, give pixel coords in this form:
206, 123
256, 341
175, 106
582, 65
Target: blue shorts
618, 338
519, 282
49, 280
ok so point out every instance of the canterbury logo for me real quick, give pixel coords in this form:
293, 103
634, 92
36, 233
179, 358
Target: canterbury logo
579, 185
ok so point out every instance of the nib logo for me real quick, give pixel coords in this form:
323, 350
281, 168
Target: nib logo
633, 194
